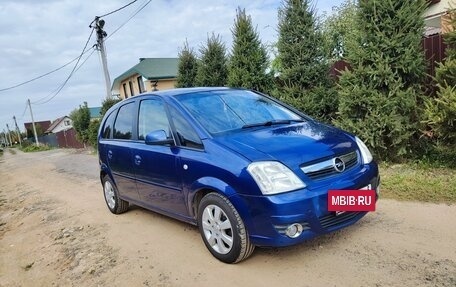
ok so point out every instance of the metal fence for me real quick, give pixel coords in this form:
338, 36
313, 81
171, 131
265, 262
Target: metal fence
434, 51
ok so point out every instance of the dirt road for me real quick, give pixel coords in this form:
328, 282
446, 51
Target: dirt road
55, 230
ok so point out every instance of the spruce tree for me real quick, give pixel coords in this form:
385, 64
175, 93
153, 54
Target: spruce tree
249, 60
212, 70
378, 96
304, 70
187, 67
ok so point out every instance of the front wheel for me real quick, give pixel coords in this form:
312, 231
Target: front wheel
223, 230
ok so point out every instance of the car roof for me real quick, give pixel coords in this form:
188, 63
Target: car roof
181, 91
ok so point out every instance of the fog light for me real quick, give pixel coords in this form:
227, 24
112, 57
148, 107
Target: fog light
294, 230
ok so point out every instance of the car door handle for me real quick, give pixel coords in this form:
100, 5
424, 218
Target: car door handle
110, 154
137, 160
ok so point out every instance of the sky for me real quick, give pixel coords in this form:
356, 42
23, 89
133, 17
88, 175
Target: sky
37, 37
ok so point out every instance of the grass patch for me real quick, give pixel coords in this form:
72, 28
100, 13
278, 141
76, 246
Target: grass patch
34, 148
418, 182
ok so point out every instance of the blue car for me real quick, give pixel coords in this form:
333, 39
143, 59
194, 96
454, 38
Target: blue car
245, 168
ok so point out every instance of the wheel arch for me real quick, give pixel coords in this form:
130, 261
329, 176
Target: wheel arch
203, 186
206, 185
104, 170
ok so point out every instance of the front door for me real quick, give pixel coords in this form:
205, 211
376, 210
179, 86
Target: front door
158, 180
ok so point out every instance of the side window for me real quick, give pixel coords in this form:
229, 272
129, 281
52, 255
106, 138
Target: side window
152, 117
108, 125
187, 135
124, 121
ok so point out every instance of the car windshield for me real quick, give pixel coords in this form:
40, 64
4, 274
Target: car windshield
223, 111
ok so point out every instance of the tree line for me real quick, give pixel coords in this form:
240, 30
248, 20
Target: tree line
380, 97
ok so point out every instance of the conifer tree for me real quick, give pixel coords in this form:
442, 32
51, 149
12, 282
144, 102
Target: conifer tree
212, 70
187, 67
303, 67
378, 97
249, 60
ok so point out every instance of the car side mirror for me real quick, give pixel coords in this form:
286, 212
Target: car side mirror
158, 137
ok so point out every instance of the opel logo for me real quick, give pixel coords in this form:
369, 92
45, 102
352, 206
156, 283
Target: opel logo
339, 165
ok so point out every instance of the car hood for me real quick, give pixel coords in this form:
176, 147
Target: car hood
292, 145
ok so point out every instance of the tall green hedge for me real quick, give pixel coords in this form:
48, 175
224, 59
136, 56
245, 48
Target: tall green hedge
378, 96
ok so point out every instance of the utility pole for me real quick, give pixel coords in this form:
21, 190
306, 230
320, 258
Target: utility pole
6, 138
9, 134
17, 131
33, 123
101, 34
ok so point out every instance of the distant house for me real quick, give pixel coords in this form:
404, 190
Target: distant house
150, 74
436, 18
95, 113
41, 127
60, 124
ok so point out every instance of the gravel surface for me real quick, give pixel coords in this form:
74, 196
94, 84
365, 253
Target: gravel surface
55, 230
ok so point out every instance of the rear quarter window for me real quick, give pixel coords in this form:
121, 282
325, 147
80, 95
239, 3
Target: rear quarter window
123, 126
108, 126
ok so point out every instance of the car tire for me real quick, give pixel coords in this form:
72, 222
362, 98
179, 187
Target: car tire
223, 230
115, 204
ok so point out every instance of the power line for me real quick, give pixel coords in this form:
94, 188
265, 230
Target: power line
40, 101
23, 113
78, 57
39, 77
129, 19
69, 76
112, 12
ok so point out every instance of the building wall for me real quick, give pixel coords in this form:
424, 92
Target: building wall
446, 23
63, 125
437, 8
161, 84
437, 18
164, 84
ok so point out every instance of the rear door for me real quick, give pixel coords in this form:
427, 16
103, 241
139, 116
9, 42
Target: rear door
119, 154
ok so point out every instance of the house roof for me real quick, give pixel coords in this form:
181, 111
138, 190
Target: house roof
54, 124
43, 124
95, 112
151, 69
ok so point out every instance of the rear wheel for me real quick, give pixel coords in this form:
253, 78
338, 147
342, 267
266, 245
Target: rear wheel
223, 230
111, 195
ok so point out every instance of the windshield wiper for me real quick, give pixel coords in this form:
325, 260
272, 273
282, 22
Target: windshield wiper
270, 123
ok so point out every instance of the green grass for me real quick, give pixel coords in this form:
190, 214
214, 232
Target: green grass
34, 148
418, 182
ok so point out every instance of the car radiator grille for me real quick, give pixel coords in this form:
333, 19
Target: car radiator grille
326, 168
330, 220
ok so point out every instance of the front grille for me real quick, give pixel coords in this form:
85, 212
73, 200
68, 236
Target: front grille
332, 219
327, 168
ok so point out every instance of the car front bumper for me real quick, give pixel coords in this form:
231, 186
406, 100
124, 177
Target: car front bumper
267, 217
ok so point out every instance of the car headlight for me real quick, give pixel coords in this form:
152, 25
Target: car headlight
272, 177
365, 153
